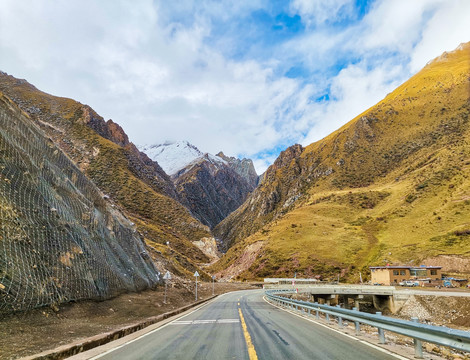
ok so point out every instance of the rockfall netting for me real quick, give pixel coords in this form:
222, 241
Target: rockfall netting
59, 239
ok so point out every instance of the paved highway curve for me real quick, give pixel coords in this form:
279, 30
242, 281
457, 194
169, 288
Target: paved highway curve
241, 325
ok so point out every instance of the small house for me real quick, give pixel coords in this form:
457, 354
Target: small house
393, 275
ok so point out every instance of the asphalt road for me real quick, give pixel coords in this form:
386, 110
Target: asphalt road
241, 325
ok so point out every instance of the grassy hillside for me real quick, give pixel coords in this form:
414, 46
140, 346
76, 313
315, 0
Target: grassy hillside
390, 186
132, 183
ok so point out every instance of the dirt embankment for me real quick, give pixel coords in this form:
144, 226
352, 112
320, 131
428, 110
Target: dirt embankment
46, 328
452, 263
451, 311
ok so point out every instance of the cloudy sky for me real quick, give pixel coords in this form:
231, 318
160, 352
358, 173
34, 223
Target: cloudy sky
249, 77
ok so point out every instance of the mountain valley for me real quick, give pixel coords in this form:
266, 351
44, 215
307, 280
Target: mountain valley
211, 186
391, 186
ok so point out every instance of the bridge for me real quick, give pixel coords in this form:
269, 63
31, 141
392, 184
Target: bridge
382, 298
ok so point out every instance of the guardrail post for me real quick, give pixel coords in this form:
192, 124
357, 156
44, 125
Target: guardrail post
381, 331
418, 344
340, 319
357, 325
327, 317
317, 313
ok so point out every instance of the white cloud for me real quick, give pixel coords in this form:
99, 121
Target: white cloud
316, 12
447, 28
355, 89
395, 25
150, 67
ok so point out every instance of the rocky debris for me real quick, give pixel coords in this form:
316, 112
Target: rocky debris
242, 262
208, 245
450, 311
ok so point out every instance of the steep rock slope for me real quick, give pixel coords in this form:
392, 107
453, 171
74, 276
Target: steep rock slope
390, 186
136, 184
210, 186
212, 189
243, 167
59, 239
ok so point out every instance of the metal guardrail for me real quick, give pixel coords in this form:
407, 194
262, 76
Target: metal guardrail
440, 335
335, 288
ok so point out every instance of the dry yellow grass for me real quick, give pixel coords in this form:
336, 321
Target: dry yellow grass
399, 190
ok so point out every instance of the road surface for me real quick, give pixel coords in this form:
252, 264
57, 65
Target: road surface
241, 325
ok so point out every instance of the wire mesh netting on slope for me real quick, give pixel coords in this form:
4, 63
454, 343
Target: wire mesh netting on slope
59, 239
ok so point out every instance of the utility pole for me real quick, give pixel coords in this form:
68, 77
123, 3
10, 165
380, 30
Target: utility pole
196, 274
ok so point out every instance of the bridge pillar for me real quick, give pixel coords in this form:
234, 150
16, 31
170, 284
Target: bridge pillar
392, 303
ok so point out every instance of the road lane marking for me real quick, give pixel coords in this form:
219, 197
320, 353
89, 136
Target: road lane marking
251, 349
212, 321
157, 329
340, 332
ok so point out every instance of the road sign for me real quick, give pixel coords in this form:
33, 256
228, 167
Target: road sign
196, 274
166, 277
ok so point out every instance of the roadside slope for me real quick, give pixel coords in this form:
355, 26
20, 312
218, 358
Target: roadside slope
134, 184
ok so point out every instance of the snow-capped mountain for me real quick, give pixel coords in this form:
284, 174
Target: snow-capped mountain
212, 185
172, 156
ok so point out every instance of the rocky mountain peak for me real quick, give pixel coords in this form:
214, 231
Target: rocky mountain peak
211, 186
172, 156
243, 167
107, 129
288, 155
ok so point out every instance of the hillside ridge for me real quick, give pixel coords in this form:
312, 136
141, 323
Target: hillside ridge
365, 189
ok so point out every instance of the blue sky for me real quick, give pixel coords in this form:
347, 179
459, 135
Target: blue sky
248, 77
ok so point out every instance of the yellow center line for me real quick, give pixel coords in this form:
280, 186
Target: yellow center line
251, 349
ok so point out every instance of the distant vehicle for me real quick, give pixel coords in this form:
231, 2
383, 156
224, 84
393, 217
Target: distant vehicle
409, 283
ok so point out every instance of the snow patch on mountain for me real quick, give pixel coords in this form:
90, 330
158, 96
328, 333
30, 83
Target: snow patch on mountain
175, 156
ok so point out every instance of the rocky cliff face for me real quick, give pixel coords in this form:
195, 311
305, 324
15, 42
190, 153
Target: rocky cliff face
210, 186
60, 239
280, 188
212, 189
134, 183
389, 186
243, 167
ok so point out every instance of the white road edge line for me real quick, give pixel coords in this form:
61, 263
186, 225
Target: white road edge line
153, 331
342, 333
